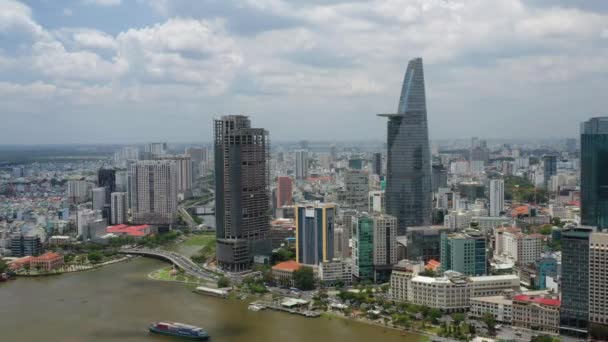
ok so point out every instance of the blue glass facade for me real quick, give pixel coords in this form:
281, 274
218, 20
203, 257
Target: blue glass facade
408, 173
574, 311
594, 173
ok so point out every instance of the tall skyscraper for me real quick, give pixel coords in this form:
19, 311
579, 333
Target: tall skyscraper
549, 169
183, 166
594, 172
315, 224
242, 196
574, 311
156, 149
154, 192
106, 178
119, 208
408, 171
363, 247
385, 245
284, 191
497, 197
439, 177
374, 246
598, 292
118, 203
99, 198
301, 164
199, 157
356, 187
377, 163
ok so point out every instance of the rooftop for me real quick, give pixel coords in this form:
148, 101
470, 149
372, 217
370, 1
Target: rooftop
289, 266
129, 230
537, 300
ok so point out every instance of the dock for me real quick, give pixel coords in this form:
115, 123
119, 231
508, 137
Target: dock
222, 293
277, 307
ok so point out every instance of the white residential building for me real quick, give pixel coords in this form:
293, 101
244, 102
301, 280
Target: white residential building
497, 197
78, 191
385, 240
458, 219
99, 198
118, 203
376, 201
84, 218
154, 192
522, 248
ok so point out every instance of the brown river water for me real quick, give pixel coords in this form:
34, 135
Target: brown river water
117, 302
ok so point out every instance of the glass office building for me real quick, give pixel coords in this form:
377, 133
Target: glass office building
408, 171
594, 173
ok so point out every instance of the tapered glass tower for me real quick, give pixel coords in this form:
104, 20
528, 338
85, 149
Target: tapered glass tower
408, 171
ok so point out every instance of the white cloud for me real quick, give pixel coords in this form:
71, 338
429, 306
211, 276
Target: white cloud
339, 56
87, 38
102, 2
17, 17
68, 12
182, 50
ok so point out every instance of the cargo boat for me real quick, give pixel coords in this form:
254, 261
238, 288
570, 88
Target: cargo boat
186, 331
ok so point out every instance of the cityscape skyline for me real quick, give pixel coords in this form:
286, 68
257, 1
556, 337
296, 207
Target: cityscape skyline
295, 195
80, 73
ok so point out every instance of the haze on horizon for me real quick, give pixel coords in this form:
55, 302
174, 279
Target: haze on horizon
122, 71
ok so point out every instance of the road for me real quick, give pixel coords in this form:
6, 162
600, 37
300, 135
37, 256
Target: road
177, 259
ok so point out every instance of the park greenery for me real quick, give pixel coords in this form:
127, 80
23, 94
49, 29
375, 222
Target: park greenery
283, 254
520, 189
208, 246
303, 278
223, 282
253, 284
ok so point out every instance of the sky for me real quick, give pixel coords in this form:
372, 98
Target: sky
133, 71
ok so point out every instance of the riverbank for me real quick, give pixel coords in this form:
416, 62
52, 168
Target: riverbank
73, 268
338, 315
167, 274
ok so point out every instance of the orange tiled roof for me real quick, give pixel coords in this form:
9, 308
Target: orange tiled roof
47, 256
433, 265
290, 266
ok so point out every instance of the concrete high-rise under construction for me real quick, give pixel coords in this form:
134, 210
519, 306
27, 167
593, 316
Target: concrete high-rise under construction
242, 195
408, 170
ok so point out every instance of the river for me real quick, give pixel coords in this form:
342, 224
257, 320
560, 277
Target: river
118, 302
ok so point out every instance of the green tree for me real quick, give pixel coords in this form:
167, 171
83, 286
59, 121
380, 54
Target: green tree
94, 257
458, 318
27, 267
490, 322
303, 278
434, 315
544, 338
3, 266
546, 229
223, 282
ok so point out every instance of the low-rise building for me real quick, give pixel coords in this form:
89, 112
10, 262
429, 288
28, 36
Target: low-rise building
283, 272
536, 313
47, 261
402, 273
493, 285
450, 293
336, 271
500, 307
